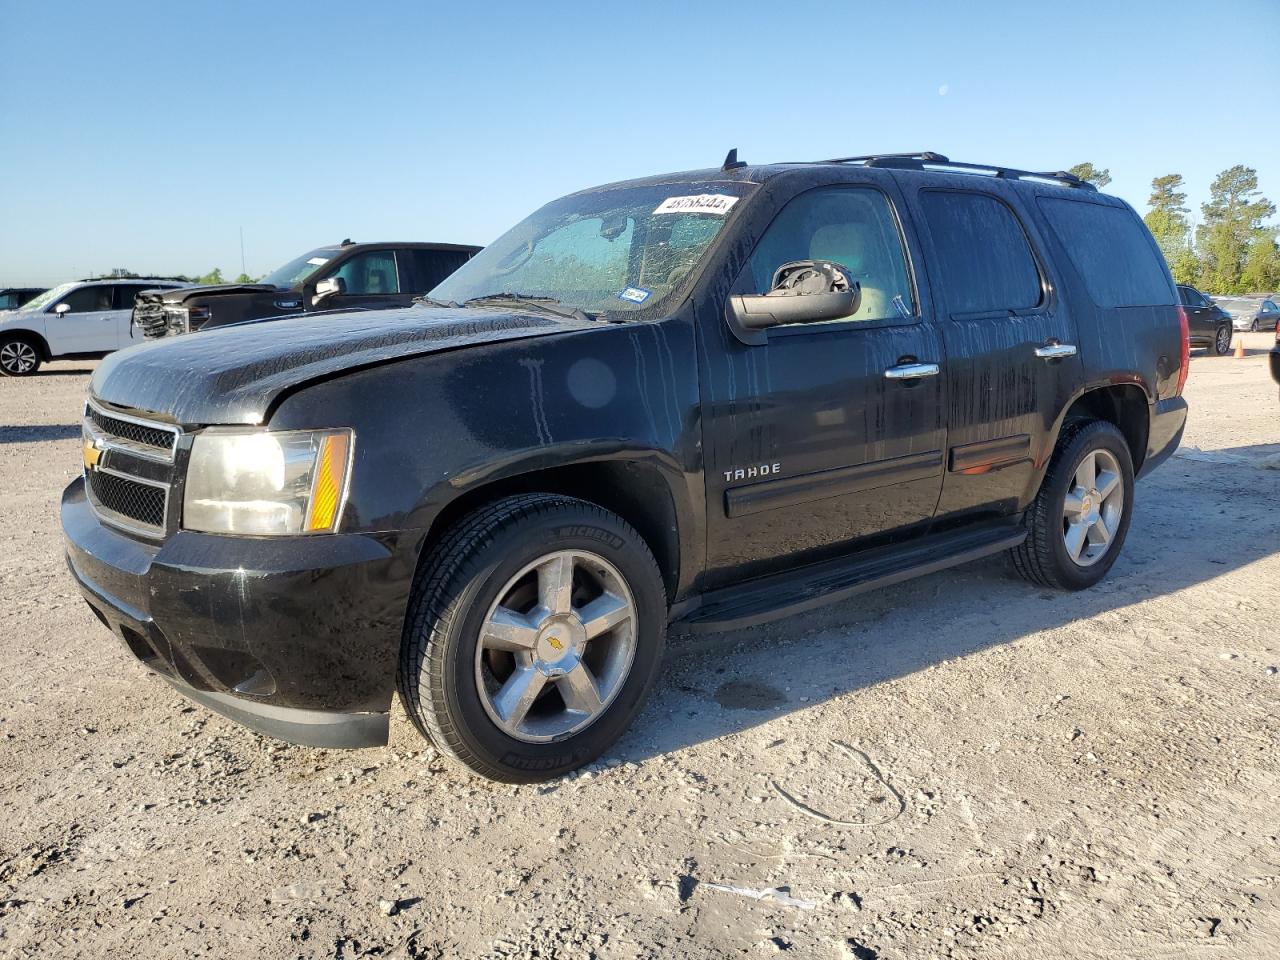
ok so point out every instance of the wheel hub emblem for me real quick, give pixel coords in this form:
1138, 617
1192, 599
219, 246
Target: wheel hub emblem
555, 643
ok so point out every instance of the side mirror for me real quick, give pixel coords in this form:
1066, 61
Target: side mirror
62, 308
327, 288
803, 291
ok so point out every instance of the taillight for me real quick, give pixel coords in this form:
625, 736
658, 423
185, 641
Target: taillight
1183, 370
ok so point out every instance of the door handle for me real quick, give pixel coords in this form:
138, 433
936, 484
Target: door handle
1056, 351
912, 371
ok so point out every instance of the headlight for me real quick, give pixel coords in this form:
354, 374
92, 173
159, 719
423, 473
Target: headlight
265, 483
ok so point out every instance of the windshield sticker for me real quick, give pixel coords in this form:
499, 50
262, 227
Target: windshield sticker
318, 261
635, 294
717, 203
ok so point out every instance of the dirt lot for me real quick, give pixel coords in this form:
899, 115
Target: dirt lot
1013, 772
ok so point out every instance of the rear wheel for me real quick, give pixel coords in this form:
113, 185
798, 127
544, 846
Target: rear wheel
19, 356
533, 637
1080, 517
1221, 341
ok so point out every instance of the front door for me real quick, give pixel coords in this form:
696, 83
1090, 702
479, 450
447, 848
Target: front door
1012, 355
830, 434
372, 279
87, 326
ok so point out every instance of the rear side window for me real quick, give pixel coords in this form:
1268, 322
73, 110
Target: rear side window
432, 267
983, 257
1112, 251
125, 293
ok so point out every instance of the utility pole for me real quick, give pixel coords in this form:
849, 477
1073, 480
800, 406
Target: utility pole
243, 271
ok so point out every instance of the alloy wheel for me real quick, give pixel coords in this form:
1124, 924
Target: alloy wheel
1224, 340
556, 646
1093, 507
18, 357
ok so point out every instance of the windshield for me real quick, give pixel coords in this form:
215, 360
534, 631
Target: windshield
48, 296
295, 271
605, 251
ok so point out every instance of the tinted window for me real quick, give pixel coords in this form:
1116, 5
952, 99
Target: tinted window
853, 226
431, 267
125, 292
984, 261
89, 299
1112, 252
370, 274
1269, 307
8, 301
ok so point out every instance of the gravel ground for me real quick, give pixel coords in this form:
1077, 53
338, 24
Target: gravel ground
963, 766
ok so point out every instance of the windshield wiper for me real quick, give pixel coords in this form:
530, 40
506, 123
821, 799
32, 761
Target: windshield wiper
429, 302
546, 304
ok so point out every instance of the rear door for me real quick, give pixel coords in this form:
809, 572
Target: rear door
829, 436
88, 326
124, 296
1012, 356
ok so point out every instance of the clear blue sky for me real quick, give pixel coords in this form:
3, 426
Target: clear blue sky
145, 135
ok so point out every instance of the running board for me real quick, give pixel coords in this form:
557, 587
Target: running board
808, 587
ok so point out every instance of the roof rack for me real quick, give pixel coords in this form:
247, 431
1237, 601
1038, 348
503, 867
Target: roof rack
928, 160
132, 279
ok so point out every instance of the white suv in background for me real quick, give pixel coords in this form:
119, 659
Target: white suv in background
85, 318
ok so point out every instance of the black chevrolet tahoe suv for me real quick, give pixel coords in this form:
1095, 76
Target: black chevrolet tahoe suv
707, 398
344, 276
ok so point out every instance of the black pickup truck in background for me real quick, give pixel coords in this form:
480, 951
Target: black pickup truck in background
345, 276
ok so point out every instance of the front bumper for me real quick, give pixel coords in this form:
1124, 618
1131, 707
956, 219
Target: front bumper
1168, 420
296, 637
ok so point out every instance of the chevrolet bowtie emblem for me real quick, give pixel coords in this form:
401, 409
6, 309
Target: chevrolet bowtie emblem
555, 642
91, 456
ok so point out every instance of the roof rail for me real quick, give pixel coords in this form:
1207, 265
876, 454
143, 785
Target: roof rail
925, 156
131, 279
929, 160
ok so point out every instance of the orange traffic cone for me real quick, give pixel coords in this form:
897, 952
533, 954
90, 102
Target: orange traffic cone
1240, 348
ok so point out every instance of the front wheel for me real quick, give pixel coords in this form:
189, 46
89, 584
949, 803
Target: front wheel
19, 357
1080, 517
534, 634
1253, 327
1222, 341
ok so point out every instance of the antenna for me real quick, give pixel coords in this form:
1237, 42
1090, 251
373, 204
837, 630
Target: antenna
731, 161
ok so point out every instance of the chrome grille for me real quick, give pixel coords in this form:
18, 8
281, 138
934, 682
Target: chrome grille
129, 469
134, 431
155, 319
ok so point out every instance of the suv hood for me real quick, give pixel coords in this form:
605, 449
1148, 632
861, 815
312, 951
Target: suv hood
234, 374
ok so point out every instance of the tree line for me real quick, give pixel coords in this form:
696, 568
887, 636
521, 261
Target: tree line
1230, 250
213, 276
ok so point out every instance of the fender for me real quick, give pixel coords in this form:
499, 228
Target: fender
1042, 457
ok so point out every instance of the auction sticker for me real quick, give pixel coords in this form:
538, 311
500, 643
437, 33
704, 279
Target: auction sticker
635, 294
717, 203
